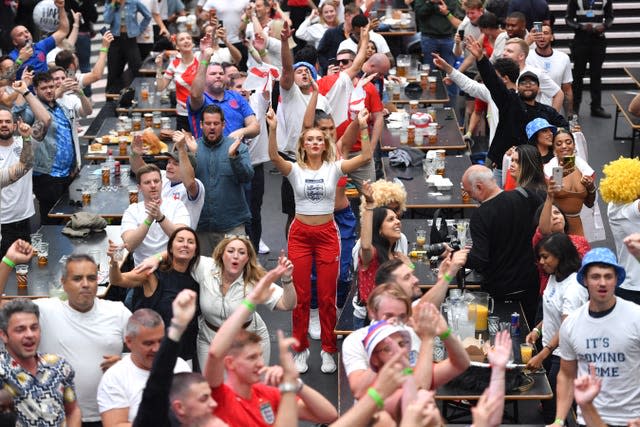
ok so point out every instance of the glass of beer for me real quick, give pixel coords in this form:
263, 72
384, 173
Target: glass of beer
421, 236
43, 254
22, 271
144, 92
413, 107
86, 196
526, 352
133, 195
148, 120
122, 145
424, 80
432, 83
106, 175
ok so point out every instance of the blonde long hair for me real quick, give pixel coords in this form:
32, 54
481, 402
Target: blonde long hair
253, 271
328, 155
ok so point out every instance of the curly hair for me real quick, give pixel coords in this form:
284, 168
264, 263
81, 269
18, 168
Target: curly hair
328, 155
387, 193
253, 271
621, 182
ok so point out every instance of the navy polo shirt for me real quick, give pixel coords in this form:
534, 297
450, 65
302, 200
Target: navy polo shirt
233, 105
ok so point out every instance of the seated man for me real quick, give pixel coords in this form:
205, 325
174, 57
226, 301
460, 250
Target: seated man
41, 384
242, 399
390, 301
121, 386
146, 226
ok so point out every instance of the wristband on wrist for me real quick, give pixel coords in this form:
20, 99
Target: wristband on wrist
158, 256
373, 394
262, 52
161, 219
204, 62
449, 14
178, 326
412, 266
19, 61
147, 222
443, 336
8, 262
559, 421
446, 276
548, 347
538, 331
26, 138
250, 306
407, 371
104, 49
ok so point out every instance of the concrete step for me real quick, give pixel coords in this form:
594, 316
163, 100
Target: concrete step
562, 7
610, 35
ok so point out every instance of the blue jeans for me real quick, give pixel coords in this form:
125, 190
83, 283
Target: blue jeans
83, 50
443, 47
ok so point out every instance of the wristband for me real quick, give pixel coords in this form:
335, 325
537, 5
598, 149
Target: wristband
104, 49
449, 14
161, 219
373, 394
407, 371
246, 20
262, 52
26, 138
559, 421
158, 256
443, 336
178, 326
548, 347
538, 331
19, 61
147, 222
204, 62
448, 278
250, 306
412, 266
8, 262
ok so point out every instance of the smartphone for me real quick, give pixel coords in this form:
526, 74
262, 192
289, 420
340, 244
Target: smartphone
71, 74
537, 26
104, 30
220, 23
569, 161
461, 34
556, 174
333, 62
29, 42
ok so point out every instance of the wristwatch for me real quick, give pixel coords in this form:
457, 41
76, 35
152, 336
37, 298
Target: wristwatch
291, 387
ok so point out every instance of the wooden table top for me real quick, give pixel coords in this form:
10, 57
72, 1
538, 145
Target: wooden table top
634, 73
422, 196
449, 135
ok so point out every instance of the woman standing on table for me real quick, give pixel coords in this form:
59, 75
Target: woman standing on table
224, 281
158, 290
560, 259
577, 187
313, 234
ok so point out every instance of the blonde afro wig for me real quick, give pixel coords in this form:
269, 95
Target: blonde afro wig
621, 182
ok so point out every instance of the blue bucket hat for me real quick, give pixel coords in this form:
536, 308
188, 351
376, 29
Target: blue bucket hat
310, 67
536, 125
601, 256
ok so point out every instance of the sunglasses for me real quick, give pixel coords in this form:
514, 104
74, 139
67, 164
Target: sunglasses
344, 61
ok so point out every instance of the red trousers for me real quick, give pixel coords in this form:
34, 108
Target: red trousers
321, 242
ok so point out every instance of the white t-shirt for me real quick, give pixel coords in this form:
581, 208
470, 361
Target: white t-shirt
624, 219
558, 65
229, 12
122, 385
611, 342
339, 97
17, 198
402, 246
548, 88
290, 115
315, 190
259, 145
179, 192
377, 39
559, 299
83, 339
311, 31
146, 35
354, 355
156, 240
469, 30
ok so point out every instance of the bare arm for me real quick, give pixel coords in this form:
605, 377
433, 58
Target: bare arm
197, 87
361, 56
313, 406
310, 112
349, 165
118, 417
367, 251
556, 101
286, 56
135, 156
39, 111
284, 166
450, 266
634, 105
289, 298
498, 357
98, 70
16, 171
72, 414
457, 362
20, 252
187, 173
63, 26
564, 387
567, 89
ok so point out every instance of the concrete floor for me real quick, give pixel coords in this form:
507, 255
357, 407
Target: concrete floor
602, 149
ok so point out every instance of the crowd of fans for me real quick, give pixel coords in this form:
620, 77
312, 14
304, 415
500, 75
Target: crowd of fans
303, 86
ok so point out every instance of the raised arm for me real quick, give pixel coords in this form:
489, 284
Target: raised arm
284, 166
289, 298
20, 252
450, 266
236, 55
349, 165
63, 26
39, 111
16, 171
310, 112
361, 56
286, 56
98, 70
187, 173
196, 100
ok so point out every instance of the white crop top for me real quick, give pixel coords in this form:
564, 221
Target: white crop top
315, 190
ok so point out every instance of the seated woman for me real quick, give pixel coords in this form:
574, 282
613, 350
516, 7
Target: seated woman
158, 290
577, 187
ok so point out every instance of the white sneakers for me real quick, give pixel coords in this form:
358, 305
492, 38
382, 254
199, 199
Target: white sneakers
300, 359
328, 364
263, 248
314, 324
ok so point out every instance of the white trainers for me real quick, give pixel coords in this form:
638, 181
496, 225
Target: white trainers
300, 359
328, 364
314, 324
263, 248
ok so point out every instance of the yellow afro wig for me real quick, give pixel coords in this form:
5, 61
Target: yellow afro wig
386, 193
621, 182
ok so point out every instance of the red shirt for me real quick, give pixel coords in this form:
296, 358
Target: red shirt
260, 410
372, 102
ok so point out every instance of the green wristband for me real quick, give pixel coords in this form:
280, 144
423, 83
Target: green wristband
407, 371
559, 421
443, 336
147, 222
104, 49
18, 61
373, 394
447, 277
250, 306
204, 62
8, 262
158, 256
538, 331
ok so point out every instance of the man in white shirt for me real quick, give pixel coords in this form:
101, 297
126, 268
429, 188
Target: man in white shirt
121, 387
147, 225
554, 62
69, 93
16, 161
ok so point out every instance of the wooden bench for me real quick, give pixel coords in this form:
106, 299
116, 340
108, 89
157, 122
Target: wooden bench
622, 100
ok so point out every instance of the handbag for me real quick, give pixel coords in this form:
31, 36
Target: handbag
476, 379
442, 234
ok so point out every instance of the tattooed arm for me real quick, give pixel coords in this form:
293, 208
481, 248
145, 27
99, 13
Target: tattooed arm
15, 172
